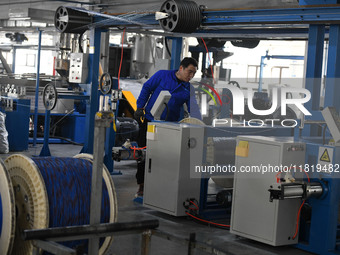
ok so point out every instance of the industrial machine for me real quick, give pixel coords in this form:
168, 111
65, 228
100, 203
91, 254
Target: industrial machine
258, 162
283, 186
173, 151
296, 205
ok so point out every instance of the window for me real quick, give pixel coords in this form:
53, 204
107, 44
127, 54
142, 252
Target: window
253, 73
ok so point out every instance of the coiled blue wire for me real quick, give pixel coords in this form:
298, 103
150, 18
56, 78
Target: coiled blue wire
68, 186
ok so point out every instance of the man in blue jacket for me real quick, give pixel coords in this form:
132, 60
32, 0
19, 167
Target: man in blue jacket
182, 92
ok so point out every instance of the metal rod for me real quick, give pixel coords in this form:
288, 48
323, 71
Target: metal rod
13, 57
45, 151
104, 229
310, 122
92, 78
97, 178
36, 103
146, 242
311, 15
262, 64
4, 64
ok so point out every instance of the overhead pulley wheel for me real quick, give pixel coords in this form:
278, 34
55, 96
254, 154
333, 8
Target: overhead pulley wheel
181, 16
50, 97
68, 20
105, 84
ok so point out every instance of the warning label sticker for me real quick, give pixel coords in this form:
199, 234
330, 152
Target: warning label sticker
325, 155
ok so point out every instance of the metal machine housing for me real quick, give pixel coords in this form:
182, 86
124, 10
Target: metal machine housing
172, 152
253, 215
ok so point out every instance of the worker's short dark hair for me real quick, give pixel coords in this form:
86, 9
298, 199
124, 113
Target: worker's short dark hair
188, 61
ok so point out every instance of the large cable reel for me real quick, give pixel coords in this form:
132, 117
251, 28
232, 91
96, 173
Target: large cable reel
181, 16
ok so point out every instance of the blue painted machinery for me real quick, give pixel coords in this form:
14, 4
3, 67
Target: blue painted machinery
17, 122
318, 225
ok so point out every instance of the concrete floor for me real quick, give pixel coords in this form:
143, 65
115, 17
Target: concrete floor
128, 210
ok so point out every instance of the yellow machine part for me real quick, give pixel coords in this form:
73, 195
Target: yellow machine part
131, 99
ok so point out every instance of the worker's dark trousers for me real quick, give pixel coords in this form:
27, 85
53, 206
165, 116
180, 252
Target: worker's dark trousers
143, 127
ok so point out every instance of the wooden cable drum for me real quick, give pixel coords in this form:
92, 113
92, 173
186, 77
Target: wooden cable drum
7, 212
55, 192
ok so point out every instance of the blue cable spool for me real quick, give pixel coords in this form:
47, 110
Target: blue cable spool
7, 212
55, 192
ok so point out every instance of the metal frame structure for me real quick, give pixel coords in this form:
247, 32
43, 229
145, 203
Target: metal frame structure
262, 64
37, 93
222, 22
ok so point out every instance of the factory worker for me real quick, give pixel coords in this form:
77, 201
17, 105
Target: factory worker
182, 92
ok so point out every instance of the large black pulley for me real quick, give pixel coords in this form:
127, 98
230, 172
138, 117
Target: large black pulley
105, 84
50, 97
182, 16
68, 20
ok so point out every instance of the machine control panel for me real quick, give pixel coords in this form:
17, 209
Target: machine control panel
78, 67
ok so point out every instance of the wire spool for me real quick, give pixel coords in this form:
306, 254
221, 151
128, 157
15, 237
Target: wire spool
68, 20
183, 16
109, 184
7, 212
55, 192
191, 120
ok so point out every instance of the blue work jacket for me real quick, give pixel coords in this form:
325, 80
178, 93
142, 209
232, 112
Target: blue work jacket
181, 92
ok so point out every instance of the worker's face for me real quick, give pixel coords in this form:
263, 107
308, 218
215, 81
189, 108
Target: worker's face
187, 73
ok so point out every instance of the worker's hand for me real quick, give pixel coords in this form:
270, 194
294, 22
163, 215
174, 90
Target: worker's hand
139, 113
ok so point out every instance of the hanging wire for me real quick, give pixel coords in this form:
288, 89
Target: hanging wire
121, 58
210, 62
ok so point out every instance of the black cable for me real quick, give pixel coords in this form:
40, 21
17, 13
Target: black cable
67, 140
167, 46
53, 128
63, 138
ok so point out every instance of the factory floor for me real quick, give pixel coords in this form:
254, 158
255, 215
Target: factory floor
128, 210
